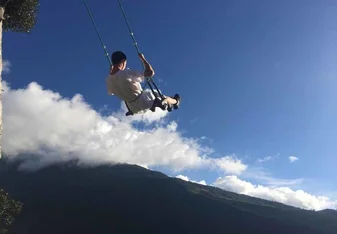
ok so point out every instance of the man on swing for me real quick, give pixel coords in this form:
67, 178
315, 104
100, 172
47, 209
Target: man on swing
125, 84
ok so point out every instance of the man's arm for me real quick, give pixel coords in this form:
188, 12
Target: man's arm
148, 72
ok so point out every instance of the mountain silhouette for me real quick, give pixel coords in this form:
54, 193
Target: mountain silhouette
67, 198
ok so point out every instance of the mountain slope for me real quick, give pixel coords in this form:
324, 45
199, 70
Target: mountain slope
130, 199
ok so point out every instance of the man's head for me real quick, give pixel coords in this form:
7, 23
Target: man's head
118, 58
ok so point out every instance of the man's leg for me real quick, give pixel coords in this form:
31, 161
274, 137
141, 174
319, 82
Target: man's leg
170, 101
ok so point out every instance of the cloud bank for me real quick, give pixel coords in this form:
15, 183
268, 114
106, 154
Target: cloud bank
284, 195
55, 129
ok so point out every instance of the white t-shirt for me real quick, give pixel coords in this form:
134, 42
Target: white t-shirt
126, 85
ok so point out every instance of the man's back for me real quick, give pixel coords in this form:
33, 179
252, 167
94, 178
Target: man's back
125, 84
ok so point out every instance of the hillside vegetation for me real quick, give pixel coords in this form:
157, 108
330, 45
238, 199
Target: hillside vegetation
130, 199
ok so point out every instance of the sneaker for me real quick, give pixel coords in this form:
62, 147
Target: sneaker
177, 98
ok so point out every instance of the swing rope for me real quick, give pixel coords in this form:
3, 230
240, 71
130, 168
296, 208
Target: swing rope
98, 34
128, 25
148, 79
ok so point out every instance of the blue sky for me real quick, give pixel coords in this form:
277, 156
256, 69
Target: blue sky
257, 78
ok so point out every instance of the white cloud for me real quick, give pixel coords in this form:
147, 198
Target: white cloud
55, 129
265, 177
293, 159
271, 181
230, 164
182, 177
297, 198
6, 66
194, 120
265, 159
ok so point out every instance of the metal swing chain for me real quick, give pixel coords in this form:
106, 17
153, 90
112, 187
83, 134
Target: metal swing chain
128, 25
99, 36
148, 79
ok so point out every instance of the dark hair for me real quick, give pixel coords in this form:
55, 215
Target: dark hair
117, 57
